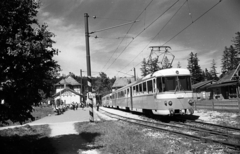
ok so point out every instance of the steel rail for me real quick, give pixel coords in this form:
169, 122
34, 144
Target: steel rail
194, 128
203, 139
215, 125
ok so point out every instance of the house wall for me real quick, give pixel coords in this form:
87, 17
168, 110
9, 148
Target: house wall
77, 89
68, 97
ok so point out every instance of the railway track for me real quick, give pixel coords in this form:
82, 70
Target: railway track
225, 138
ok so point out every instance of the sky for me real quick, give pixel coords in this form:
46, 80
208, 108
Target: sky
185, 26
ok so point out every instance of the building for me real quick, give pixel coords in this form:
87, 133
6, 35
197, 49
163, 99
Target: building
68, 90
201, 91
121, 82
225, 88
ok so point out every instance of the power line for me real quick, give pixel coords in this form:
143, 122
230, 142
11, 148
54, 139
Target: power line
188, 25
193, 22
96, 17
126, 34
141, 33
156, 35
96, 37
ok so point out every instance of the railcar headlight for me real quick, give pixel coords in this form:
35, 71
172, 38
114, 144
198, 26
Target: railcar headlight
170, 103
190, 102
165, 102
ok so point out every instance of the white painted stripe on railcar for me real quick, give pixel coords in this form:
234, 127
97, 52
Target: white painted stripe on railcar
177, 95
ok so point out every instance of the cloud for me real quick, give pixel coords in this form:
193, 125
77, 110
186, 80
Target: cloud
206, 37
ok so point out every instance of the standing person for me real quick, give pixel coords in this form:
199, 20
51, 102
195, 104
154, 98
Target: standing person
76, 105
98, 106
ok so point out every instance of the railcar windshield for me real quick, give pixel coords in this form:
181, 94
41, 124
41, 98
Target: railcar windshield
174, 83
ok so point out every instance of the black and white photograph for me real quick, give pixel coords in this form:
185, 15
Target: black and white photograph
120, 76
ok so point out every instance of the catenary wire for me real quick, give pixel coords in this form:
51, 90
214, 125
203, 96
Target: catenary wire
188, 25
156, 35
140, 33
126, 34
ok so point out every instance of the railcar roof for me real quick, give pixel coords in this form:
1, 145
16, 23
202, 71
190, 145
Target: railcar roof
164, 72
168, 72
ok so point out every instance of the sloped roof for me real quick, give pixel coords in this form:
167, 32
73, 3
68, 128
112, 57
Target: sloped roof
64, 90
202, 84
69, 80
227, 77
122, 81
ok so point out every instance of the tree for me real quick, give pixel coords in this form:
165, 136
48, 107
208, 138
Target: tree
213, 71
144, 68
229, 59
166, 63
26, 64
194, 68
225, 60
236, 42
208, 76
153, 65
150, 66
102, 84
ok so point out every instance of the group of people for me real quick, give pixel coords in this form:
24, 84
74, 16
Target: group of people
59, 107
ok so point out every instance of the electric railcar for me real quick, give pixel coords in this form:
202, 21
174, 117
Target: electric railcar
165, 92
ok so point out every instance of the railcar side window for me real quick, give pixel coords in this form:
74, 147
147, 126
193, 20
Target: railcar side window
159, 84
136, 88
149, 85
154, 85
140, 88
144, 87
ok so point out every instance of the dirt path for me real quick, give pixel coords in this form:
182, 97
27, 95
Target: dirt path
64, 128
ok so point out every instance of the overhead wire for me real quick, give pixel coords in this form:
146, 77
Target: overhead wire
141, 33
193, 22
156, 35
189, 12
95, 17
126, 34
189, 25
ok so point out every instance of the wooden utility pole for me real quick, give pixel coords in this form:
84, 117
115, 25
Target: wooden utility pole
135, 78
89, 78
81, 91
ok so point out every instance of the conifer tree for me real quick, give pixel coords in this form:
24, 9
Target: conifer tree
225, 60
213, 71
194, 68
208, 76
153, 65
166, 63
236, 42
144, 68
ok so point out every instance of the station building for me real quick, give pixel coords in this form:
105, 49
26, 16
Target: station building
226, 87
68, 90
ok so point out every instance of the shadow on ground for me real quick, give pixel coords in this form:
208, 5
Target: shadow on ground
35, 144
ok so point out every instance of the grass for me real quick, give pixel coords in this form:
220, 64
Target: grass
38, 113
26, 140
119, 137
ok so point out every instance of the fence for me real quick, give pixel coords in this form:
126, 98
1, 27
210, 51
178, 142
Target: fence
224, 105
